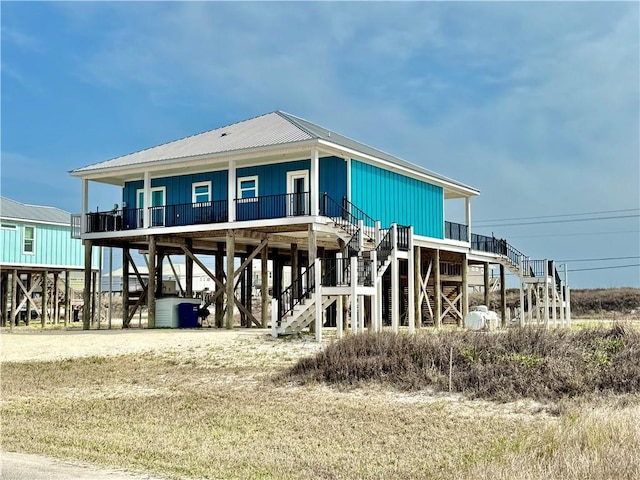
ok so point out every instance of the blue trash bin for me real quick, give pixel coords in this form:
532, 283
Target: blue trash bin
187, 315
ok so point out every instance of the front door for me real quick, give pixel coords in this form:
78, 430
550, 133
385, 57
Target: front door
158, 195
298, 193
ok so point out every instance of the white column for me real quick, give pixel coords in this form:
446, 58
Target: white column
376, 232
354, 294
546, 294
231, 191
146, 218
411, 301
467, 212
339, 316
348, 181
314, 182
521, 319
529, 305
361, 313
561, 297
375, 313
317, 272
85, 205
567, 297
274, 317
395, 284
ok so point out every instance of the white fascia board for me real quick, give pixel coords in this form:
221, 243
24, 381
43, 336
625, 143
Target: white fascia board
40, 222
195, 161
211, 227
341, 151
442, 244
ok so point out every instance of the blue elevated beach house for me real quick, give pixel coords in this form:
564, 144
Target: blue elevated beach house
362, 233
37, 260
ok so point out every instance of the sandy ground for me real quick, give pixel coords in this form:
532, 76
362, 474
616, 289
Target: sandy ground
25, 346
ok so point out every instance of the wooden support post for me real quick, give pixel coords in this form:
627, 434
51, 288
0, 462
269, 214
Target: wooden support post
4, 288
417, 264
487, 287
249, 284
219, 312
465, 289
229, 284
244, 320
125, 287
86, 302
45, 298
188, 269
56, 299
437, 286
94, 297
14, 290
67, 297
503, 296
28, 318
151, 286
264, 286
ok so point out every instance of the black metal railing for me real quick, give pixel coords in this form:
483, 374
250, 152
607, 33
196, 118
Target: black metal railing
273, 206
114, 220
336, 272
456, 231
365, 267
294, 294
334, 210
357, 213
384, 248
192, 213
533, 268
353, 247
403, 237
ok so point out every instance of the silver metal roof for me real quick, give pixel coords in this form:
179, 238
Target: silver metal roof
275, 128
12, 210
266, 130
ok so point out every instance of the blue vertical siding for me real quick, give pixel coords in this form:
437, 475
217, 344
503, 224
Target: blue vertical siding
333, 177
53, 246
179, 187
272, 179
390, 197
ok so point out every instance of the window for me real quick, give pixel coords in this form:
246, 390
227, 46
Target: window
28, 243
248, 187
201, 192
9, 226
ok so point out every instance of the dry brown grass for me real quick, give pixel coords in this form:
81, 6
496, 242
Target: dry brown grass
216, 413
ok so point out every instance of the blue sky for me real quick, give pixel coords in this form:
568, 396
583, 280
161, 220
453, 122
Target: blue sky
535, 104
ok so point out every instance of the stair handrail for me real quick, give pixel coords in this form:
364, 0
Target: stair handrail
384, 248
357, 213
353, 246
343, 215
290, 297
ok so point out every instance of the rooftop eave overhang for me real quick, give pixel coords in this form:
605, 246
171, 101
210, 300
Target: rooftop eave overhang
451, 189
116, 174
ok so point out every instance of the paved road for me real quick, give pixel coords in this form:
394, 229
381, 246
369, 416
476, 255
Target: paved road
21, 466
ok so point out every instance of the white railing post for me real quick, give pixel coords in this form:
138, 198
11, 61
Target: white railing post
395, 284
274, 317
360, 236
546, 294
521, 319
411, 314
354, 294
339, 316
375, 314
567, 297
318, 291
376, 232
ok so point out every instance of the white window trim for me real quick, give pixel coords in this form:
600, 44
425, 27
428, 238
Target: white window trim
297, 174
9, 226
244, 179
200, 184
33, 240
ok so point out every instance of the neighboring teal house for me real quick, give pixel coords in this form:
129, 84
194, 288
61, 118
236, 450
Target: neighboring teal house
37, 246
363, 232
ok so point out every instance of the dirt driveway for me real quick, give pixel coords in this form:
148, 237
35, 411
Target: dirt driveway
58, 344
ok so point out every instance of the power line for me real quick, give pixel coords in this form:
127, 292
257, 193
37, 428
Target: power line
556, 216
559, 221
573, 234
597, 259
604, 268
